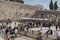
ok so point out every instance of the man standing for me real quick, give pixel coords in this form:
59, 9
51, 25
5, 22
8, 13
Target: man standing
16, 30
59, 25
25, 29
39, 36
56, 26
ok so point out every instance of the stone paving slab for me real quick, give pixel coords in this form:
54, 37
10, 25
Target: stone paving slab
20, 38
23, 38
1, 38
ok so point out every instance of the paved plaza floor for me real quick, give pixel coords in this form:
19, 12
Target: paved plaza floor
23, 38
20, 38
1, 38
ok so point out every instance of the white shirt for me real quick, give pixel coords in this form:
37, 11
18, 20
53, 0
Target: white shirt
16, 30
25, 29
56, 33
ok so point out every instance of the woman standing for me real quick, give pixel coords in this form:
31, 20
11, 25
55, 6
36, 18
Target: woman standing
8, 36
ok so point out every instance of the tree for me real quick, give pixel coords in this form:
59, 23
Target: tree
51, 8
20, 1
55, 6
51, 5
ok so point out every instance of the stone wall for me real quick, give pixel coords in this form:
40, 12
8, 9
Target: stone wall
51, 15
14, 10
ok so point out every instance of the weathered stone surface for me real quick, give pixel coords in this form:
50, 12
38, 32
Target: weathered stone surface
14, 10
51, 15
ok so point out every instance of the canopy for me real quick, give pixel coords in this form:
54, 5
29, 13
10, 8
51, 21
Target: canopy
34, 19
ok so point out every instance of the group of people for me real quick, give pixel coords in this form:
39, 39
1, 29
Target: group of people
8, 33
